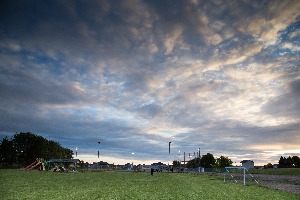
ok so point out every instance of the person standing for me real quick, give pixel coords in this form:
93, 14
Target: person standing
152, 170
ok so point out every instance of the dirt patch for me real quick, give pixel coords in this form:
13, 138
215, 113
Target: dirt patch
280, 182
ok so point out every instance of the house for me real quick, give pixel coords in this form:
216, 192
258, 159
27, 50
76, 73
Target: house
159, 166
248, 164
100, 165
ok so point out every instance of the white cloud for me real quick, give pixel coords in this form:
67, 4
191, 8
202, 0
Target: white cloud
291, 46
295, 34
172, 39
265, 29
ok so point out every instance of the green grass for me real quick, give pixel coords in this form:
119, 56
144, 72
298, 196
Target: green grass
280, 171
18, 184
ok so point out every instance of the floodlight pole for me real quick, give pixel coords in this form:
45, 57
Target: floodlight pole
169, 155
132, 160
179, 161
98, 150
199, 158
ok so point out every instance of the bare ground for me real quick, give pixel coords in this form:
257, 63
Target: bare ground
280, 182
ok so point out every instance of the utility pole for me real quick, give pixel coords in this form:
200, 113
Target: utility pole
199, 157
169, 155
98, 150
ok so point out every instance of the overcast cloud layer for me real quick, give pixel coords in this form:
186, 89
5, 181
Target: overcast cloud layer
220, 75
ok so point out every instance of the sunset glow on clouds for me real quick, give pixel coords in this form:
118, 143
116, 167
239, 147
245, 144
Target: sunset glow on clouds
223, 76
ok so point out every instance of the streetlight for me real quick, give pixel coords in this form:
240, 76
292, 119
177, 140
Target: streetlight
132, 159
76, 151
199, 159
98, 150
179, 161
169, 155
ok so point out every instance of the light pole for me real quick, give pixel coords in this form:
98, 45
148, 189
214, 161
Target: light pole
169, 155
179, 161
132, 159
76, 151
98, 150
199, 159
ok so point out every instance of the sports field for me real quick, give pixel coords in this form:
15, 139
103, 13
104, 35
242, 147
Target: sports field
20, 184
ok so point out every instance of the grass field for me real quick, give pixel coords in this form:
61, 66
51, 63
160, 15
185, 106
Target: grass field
281, 171
19, 184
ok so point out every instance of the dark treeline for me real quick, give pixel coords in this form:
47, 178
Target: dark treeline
24, 148
289, 162
207, 161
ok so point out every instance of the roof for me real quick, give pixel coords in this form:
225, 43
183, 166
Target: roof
244, 161
103, 163
63, 160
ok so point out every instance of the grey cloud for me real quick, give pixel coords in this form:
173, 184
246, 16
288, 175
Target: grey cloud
70, 68
287, 104
61, 27
29, 89
150, 110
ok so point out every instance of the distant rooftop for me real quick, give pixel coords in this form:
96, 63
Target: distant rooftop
63, 160
244, 161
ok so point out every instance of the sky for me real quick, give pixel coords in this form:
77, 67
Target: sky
222, 76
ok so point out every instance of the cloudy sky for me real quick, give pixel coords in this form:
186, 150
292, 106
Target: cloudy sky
222, 76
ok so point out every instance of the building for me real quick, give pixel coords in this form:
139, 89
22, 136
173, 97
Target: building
159, 166
276, 166
100, 165
248, 164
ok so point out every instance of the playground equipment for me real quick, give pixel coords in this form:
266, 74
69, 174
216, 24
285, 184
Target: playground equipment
60, 164
39, 162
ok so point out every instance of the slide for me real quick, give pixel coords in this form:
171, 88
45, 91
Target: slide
32, 164
36, 163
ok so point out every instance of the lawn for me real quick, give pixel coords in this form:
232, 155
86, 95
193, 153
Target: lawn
19, 184
280, 171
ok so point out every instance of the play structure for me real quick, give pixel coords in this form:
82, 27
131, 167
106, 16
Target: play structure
55, 165
39, 163
63, 165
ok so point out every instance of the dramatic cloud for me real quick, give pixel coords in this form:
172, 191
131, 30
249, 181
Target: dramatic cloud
222, 76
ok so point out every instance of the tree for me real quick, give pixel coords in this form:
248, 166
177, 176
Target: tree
282, 162
269, 165
7, 153
289, 162
194, 163
223, 162
176, 163
24, 148
208, 160
296, 161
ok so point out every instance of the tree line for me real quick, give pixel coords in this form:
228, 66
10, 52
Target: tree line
24, 148
289, 162
206, 161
